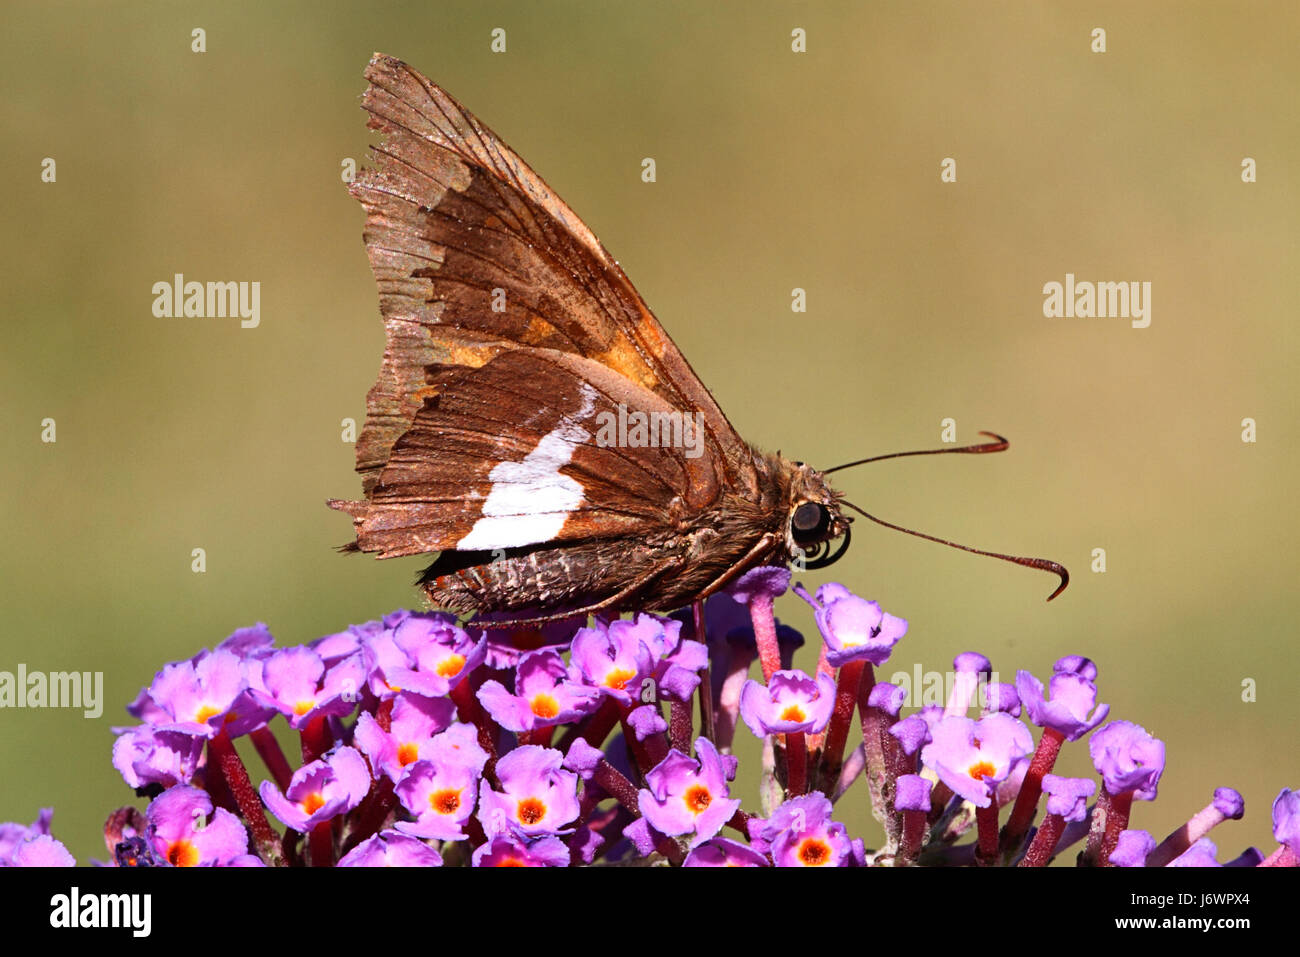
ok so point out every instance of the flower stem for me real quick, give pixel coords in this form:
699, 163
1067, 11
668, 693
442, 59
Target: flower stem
909, 845
222, 753
679, 725
764, 620
315, 739
1022, 814
706, 677
637, 749
1109, 817
837, 733
986, 823
1043, 846
374, 811
796, 762
321, 841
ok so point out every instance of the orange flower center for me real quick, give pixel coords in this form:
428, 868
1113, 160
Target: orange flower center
313, 802
697, 798
793, 713
446, 801
981, 770
617, 678
450, 666
814, 852
407, 753
545, 706
206, 712
531, 811
182, 854
302, 707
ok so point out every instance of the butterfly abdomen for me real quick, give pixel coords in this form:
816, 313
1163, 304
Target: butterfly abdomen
516, 579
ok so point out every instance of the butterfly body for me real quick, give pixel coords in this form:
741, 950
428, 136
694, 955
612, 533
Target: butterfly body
514, 344
699, 553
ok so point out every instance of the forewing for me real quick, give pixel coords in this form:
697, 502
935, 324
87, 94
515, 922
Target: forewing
476, 257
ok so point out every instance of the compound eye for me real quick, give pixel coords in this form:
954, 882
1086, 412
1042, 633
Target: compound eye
810, 522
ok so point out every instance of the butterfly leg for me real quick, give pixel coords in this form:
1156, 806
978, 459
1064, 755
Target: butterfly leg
763, 545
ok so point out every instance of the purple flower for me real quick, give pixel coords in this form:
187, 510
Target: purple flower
913, 793
792, 701
249, 644
144, 755
426, 654
391, 849
440, 794
852, 627
678, 661
457, 745
334, 648
912, 733
645, 721
537, 795
319, 791
1073, 695
767, 581
724, 852
685, 796
1201, 854
800, 833
613, 660
197, 698
41, 851
510, 850
971, 757
887, 697
186, 832
544, 694
1229, 803
1132, 849
296, 683
1068, 797
1001, 696
583, 758
1286, 819
1128, 759
12, 834
414, 722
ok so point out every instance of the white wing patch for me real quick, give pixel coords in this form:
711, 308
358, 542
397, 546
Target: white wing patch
530, 500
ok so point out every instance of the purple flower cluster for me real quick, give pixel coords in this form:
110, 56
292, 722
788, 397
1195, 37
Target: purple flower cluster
425, 741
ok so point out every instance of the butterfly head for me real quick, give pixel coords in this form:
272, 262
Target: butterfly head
814, 519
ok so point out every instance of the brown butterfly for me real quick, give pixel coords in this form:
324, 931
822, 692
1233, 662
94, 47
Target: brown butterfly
532, 421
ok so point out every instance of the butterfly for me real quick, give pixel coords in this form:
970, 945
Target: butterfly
532, 421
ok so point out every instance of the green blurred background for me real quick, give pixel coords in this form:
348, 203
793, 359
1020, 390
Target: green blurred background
776, 170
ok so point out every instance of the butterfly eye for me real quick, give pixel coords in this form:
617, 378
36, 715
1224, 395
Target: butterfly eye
810, 522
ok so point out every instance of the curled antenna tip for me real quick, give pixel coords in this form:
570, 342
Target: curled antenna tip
1059, 569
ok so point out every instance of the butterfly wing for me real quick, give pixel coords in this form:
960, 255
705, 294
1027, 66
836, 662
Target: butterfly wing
511, 454
510, 330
